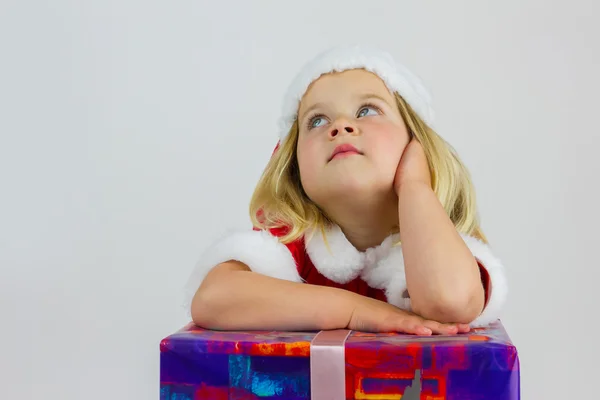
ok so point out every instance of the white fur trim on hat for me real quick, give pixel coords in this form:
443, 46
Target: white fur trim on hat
259, 250
396, 77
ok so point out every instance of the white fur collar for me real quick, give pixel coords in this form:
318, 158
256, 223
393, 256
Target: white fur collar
381, 267
339, 261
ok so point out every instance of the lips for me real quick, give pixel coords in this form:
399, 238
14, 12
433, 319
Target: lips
344, 149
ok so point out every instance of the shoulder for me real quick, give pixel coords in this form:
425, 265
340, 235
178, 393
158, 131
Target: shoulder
297, 246
261, 249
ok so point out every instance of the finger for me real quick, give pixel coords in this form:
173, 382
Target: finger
441, 329
464, 328
414, 325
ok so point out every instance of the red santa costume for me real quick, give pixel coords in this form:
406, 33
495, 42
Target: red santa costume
377, 272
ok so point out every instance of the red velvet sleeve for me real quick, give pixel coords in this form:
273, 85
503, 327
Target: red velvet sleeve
485, 281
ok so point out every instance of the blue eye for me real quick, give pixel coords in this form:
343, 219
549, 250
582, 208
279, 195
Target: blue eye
316, 122
366, 111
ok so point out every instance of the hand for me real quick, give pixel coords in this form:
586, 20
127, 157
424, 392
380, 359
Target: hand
413, 166
370, 315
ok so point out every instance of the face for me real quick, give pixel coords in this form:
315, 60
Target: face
351, 137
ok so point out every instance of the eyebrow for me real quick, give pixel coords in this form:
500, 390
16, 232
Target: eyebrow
310, 109
374, 96
361, 98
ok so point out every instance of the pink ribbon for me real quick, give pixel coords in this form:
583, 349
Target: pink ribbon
328, 365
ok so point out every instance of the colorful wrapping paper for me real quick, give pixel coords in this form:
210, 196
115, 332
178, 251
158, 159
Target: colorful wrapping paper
201, 364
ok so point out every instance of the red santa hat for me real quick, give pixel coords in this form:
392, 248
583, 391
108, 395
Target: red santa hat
396, 77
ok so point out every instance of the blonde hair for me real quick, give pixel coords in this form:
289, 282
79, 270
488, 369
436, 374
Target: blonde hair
280, 201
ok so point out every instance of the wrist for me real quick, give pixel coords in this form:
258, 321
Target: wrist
411, 185
340, 305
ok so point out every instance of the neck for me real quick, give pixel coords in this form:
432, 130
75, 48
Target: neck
366, 223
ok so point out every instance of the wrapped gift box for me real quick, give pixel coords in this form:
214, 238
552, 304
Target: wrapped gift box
202, 364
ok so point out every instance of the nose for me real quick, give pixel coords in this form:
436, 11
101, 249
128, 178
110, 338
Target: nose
342, 126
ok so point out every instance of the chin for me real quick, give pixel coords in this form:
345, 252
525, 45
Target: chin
356, 187
347, 181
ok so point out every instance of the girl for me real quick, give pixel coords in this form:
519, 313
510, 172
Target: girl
364, 217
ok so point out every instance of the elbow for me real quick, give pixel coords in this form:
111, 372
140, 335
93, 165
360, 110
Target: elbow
201, 309
211, 297
457, 308
207, 303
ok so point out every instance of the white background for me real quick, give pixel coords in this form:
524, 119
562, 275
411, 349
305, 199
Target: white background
133, 132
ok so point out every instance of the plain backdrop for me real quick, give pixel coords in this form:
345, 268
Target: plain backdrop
133, 133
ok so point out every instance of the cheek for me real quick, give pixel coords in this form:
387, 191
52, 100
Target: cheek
308, 156
387, 143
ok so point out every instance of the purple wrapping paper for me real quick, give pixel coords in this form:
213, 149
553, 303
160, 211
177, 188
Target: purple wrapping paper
200, 364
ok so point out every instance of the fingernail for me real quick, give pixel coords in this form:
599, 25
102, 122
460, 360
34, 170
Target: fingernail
426, 331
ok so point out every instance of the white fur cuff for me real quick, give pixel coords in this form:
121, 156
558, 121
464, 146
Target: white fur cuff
259, 250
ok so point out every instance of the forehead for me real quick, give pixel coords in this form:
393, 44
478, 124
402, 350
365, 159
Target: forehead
336, 85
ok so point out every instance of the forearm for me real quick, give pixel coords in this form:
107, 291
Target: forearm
232, 298
442, 276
